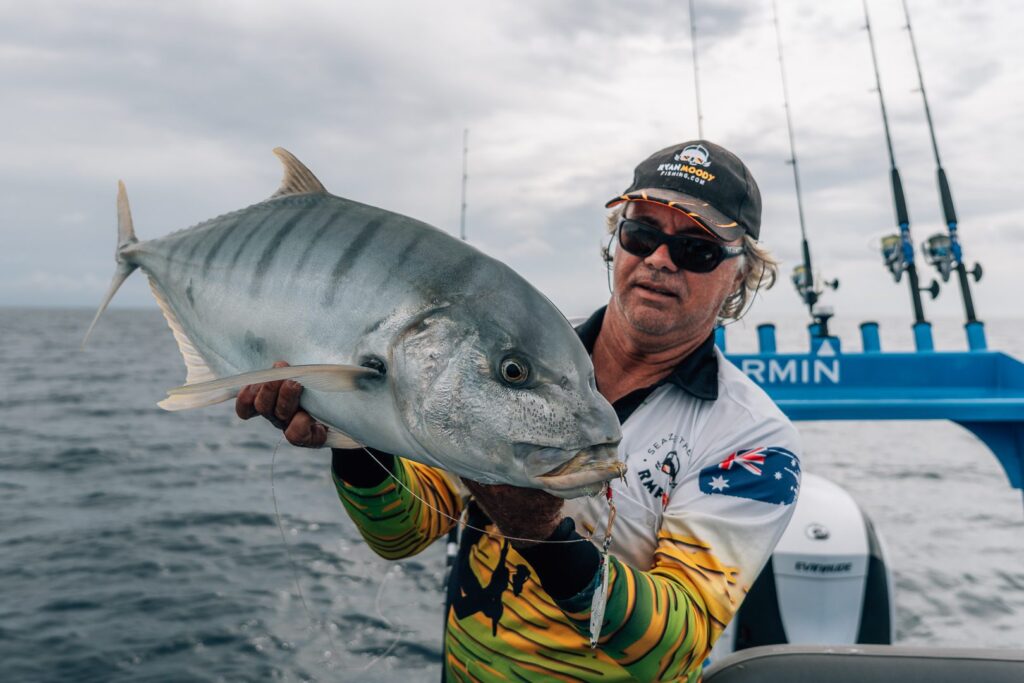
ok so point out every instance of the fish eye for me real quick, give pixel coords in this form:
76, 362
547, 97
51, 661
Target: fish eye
514, 371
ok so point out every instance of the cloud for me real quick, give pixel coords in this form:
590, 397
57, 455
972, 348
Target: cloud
185, 100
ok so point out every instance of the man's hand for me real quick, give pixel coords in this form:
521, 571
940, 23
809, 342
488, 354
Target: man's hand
279, 403
519, 512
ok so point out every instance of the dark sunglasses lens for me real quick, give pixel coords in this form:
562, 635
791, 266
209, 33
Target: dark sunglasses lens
638, 239
696, 255
689, 253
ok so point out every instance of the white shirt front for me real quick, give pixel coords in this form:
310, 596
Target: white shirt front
721, 473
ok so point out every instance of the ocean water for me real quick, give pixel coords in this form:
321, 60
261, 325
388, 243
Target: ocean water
142, 545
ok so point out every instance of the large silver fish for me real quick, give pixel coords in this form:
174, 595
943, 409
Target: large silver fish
405, 338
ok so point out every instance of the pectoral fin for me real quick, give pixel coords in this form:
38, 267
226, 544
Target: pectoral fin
199, 400
339, 439
333, 378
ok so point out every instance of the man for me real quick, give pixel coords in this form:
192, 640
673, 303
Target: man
713, 465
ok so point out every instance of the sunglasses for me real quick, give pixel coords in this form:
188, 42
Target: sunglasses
688, 253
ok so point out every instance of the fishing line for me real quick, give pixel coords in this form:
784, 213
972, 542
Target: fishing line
600, 597
302, 597
291, 560
380, 613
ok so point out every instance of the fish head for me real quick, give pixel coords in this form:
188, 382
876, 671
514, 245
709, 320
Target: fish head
506, 396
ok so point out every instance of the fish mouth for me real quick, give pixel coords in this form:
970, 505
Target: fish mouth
578, 473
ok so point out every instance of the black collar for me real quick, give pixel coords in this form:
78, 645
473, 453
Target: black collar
697, 374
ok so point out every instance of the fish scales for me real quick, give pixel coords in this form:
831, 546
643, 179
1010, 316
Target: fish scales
412, 341
328, 222
336, 273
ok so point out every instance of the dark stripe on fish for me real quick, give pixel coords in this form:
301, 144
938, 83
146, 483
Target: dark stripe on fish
176, 241
459, 274
456, 277
273, 246
409, 250
251, 233
351, 255
226, 232
191, 238
206, 233
320, 232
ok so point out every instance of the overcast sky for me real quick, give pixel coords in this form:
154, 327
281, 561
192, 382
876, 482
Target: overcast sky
185, 100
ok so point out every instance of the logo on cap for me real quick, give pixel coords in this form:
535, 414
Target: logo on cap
695, 154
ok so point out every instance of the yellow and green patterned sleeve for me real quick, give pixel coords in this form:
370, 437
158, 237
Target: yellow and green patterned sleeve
406, 512
660, 624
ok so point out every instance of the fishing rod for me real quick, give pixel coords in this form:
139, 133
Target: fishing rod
465, 177
451, 546
898, 250
696, 71
943, 250
803, 275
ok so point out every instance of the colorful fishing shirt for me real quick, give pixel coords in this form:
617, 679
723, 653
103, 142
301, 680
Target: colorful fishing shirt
713, 472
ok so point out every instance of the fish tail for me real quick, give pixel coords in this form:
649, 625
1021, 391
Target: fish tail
125, 240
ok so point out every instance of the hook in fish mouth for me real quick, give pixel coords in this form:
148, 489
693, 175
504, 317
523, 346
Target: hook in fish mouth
579, 473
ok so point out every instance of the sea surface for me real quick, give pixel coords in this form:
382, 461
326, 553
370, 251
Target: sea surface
140, 545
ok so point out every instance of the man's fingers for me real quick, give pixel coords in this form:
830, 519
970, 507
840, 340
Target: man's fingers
266, 398
279, 403
244, 407
287, 400
304, 431
519, 512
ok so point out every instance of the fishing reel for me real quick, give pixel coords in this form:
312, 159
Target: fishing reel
893, 257
810, 291
897, 256
939, 252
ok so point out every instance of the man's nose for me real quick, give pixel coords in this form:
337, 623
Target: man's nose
661, 259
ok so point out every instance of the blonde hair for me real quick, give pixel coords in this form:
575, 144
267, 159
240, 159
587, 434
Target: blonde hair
759, 269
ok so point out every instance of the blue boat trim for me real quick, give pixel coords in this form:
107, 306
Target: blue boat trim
983, 391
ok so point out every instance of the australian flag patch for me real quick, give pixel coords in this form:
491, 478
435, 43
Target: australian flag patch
769, 474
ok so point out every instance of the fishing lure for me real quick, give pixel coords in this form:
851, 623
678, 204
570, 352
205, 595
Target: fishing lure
600, 599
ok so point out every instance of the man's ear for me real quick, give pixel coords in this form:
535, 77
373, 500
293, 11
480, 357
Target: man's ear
606, 251
742, 272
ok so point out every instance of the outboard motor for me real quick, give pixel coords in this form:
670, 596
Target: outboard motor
827, 583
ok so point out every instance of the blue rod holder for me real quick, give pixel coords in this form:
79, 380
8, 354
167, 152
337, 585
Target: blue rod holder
833, 344
923, 337
766, 337
976, 336
813, 334
817, 339
870, 340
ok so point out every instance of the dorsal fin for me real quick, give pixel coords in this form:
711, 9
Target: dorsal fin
297, 178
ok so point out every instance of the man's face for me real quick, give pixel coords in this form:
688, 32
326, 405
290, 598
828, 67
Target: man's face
654, 295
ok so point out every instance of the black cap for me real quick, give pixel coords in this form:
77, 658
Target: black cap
707, 182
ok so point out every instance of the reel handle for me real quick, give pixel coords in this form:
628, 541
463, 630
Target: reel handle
932, 289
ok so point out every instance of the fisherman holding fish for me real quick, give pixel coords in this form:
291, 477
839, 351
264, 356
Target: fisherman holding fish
712, 465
